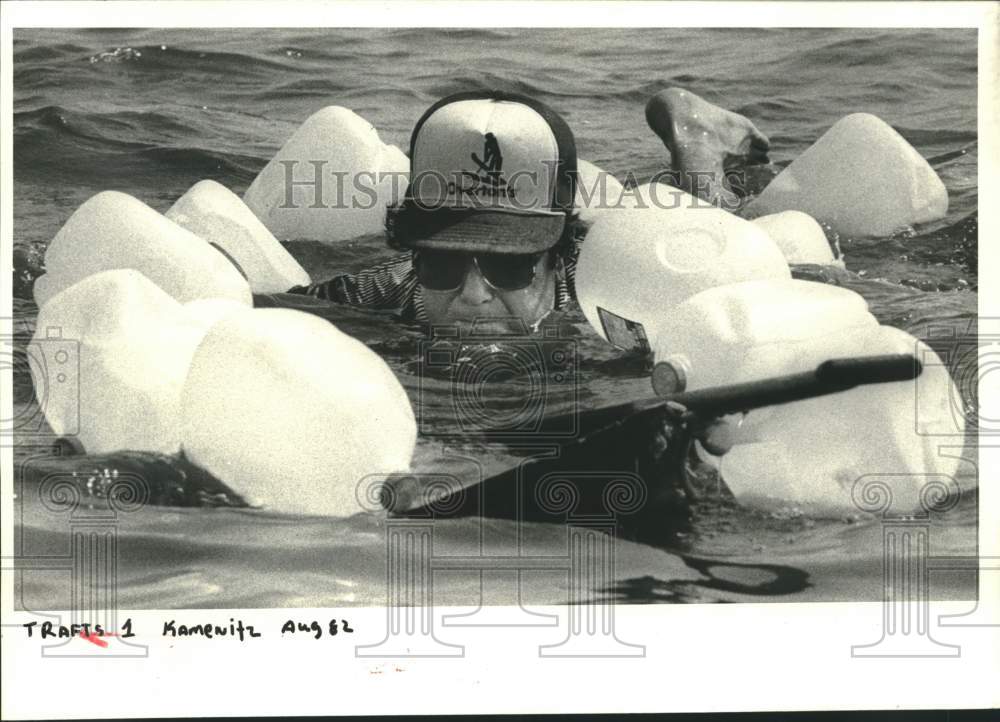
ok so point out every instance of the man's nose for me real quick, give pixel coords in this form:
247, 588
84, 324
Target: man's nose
474, 288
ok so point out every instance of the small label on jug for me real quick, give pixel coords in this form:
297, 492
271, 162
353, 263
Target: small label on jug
623, 333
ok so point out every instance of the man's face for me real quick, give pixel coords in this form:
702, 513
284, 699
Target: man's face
477, 299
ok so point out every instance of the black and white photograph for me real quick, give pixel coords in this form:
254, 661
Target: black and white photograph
320, 327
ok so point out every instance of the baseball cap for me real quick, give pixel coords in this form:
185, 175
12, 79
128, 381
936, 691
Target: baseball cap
489, 172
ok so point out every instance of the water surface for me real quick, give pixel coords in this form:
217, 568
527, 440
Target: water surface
151, 112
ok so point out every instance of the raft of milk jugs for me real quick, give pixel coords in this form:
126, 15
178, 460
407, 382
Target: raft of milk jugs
715, 299
281, 406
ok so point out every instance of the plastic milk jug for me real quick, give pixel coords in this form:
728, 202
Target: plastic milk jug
637, 264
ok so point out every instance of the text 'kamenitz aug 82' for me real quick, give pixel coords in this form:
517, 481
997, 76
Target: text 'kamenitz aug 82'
235, 629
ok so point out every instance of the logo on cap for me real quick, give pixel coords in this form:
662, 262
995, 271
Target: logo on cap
494, 159
489, 182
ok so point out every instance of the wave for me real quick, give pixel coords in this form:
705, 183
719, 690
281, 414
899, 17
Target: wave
41, 53
160, 58
937, 136
233, 167
877, 48
439, 34
441, 86
118, 129
56, 142
954, 243
306, 88
642, 93
38, 158
335, 92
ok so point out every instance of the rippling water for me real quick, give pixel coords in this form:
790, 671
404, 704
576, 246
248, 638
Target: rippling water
150, 112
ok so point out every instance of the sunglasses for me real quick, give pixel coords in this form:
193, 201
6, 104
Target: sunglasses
446, 270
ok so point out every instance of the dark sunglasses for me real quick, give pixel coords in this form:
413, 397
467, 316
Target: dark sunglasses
446, 270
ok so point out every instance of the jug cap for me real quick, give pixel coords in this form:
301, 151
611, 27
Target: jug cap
669, 377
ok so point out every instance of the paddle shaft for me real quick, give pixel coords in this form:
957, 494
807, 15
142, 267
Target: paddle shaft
829, 377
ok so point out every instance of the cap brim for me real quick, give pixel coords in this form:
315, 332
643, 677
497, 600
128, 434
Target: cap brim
478, 230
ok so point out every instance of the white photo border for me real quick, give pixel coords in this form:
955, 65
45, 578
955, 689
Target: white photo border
777, 656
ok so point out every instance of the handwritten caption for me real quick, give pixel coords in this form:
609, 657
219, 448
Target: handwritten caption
235, 629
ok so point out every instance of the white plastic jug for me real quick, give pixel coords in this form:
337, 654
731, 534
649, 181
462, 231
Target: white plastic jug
292, 413
596, 191
861, 177
213, 212
637, 264
331, 181
799, 237
850, 451
757, 329
109, 358
114, 230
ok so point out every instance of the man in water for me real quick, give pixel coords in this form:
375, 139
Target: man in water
488, 224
